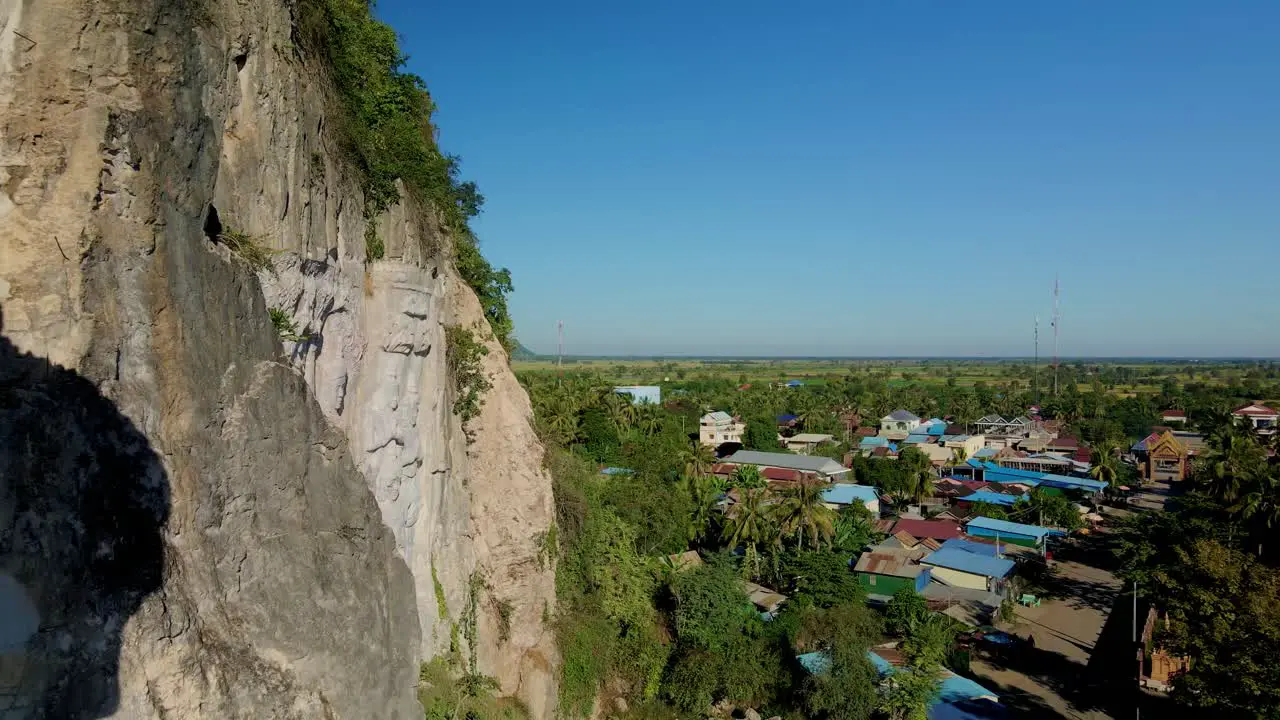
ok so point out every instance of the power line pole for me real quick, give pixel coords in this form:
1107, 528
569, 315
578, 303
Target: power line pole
560, 348
1035, 366
1056, 321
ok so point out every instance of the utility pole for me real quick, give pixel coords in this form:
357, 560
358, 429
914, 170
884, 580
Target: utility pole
1056, 318
1035, 365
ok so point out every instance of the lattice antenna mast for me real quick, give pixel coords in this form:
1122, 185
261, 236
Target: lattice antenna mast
1035, 365
1057, 318
560, 348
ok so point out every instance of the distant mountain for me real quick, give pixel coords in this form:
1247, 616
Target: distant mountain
522, 353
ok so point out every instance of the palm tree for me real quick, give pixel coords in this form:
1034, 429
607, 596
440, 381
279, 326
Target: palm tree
959, 455
803, 513
750, 523
698, 460
1261, 505
919, 476
621, 413
1232, 460
1105, 465
703, 495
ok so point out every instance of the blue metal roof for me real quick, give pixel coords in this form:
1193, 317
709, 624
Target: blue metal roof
937, 430
985, 452
1007, 478
956, 559
1072, 483
842, 494
958, 698
787, 418
794, 383
816, 663
995, 498
1011, 528
874, 442
917, 439
957, 689
970, 546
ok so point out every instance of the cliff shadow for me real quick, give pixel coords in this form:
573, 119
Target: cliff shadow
83, 502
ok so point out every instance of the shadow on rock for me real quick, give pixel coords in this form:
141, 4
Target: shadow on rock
83, 502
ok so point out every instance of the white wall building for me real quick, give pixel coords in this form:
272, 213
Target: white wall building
719, 427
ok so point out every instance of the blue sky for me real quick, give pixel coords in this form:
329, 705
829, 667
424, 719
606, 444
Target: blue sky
869, 178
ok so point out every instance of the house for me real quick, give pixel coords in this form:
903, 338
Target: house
884, 571
788, 422
989, 497
1009, 532
918, 438
824, 468
970, 444
936, 529
898, 422
1174, 416
1258, 416
684, 561
958, 567
1162, 457
766, 601
938, 455
995, 425
868, 444
641, 394
804, 443
719, 427
864, 432
840, 495
1063, 444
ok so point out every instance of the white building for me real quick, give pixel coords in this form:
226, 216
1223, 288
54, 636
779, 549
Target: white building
898, 424
719, 427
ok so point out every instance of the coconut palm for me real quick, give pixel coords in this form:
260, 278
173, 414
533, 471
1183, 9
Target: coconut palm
1105, 464
803, 513
698, 460
750, 521
1260, 506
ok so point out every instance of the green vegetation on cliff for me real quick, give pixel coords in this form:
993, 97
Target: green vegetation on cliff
389, 136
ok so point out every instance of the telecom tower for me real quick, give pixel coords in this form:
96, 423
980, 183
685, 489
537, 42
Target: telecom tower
1057, 317
560, 347
1035, 366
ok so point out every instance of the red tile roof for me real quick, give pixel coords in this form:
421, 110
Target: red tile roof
1083, 454
1173, 413
936, 529
1064, 441
770, 473
723, 469
865, 432
1254, 409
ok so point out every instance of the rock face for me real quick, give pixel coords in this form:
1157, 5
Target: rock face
196, 518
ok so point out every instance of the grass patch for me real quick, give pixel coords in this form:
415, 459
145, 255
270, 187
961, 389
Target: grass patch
285, 327
445, 697
464, 355
442, 608
248, 248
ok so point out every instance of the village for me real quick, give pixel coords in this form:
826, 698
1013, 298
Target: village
971, 542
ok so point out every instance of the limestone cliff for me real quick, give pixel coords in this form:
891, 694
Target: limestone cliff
203, 520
